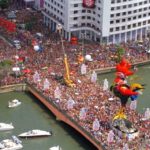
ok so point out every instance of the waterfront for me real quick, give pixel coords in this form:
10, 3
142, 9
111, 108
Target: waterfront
33, 115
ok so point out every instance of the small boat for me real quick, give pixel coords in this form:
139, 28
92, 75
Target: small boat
11, 144
55, 148
5, 126
35, 133
14, 103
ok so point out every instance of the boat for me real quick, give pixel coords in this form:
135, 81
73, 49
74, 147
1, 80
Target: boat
55, 148
14, 103
5, 126
11, 144
34, 133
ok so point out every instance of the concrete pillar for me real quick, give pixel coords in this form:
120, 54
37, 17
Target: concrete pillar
69, 36
66, 35
114, 40
135, 35
80, 34
125, 37
119, 37
140, 34
95, 36
90, 35
107, 40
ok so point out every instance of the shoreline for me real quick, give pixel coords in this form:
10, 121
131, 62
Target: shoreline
59, 114
112, 69
62, 114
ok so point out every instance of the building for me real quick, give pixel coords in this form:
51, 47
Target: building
39, 4
111, 21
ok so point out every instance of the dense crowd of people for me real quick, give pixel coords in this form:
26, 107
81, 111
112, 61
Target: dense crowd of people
87, 102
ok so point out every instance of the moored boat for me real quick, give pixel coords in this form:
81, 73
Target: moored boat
34, 133
14, 103
55, 148
5, 126
11, 144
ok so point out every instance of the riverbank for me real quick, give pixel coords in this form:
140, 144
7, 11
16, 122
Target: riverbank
14, 87
90, 101
62, 116
112, 69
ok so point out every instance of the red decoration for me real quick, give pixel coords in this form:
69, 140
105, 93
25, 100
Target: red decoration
26, 71
89, 3
124, 67
8, 25
74, 40
126, 91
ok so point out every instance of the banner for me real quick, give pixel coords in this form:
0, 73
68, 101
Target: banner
89, 3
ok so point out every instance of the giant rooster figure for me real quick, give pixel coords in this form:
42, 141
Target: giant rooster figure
122, 90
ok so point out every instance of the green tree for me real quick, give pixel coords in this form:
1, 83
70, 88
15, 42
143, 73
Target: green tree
120, 52
4, 4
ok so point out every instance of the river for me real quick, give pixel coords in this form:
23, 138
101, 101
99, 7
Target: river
31, 114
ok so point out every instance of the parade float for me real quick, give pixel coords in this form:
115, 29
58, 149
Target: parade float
124, 91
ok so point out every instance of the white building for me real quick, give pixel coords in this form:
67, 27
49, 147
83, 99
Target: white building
110, 21
39, 4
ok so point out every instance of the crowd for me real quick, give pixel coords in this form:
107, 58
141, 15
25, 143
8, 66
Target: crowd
88, 100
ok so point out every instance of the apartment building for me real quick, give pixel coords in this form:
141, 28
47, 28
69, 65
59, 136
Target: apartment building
110, 21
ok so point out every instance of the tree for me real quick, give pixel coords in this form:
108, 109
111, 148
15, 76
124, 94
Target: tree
120, 52
4, 4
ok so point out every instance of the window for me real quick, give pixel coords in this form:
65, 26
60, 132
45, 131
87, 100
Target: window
124, 13
112, 8
75, 5
123, 27
134, 25
111, 29
139, 24
118, 14
134, 18
123, 20
75, 18
129, 26
117, 21
75, 12
111, 22
117, 28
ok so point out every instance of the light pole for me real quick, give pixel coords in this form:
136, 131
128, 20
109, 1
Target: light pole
100, 38
67, 79
83, 36
59, 29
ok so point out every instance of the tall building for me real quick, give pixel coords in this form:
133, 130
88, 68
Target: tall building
110, 21
39, 4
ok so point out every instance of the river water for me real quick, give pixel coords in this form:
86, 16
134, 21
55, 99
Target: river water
31, 114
